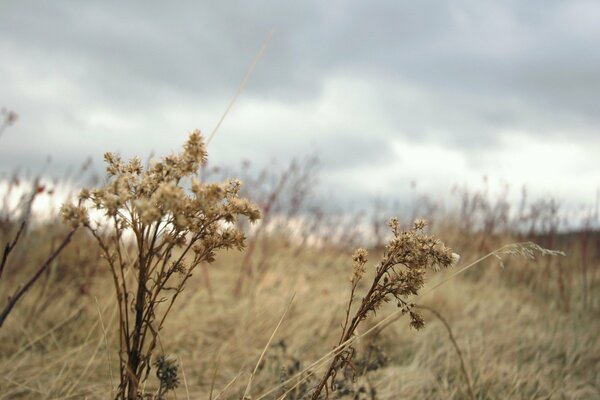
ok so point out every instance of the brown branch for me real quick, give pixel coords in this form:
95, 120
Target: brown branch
20, 292
10, 246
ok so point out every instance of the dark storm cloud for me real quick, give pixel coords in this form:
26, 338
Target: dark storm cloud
455, 73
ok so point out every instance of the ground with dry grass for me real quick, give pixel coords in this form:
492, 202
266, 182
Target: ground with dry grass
529, 330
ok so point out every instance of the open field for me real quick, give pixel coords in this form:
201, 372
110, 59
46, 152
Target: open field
402, 200
528, 330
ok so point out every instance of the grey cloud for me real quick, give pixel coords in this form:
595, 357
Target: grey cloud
127, 50
478, 67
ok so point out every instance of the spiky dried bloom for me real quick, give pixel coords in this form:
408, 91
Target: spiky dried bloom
178, 222
399, 275
524, 249
401, 271
166, 372
360, 258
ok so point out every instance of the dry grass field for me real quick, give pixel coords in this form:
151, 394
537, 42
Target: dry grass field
257, 323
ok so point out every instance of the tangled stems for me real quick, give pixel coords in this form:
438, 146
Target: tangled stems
174, 223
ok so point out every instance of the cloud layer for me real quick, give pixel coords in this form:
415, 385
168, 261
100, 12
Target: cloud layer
386, 92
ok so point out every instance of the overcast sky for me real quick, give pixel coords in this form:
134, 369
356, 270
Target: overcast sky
436, 92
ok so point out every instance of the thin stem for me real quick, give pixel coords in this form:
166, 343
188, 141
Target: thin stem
10, 246
378, 326
19, 293
453, 340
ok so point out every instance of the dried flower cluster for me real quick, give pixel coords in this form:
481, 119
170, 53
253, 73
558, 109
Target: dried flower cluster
177, 222
166, 372
401, 271
399, 275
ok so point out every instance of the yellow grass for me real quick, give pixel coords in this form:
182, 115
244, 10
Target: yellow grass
517, 342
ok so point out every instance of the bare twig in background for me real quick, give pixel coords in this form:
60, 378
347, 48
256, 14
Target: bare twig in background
12, 300
10, 246
267, 207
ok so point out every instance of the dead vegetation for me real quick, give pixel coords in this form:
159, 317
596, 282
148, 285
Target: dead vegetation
93, 323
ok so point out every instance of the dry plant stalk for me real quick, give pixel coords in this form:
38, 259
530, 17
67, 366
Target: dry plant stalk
174, 230
22, 289
463, 367
399, 275
522, 249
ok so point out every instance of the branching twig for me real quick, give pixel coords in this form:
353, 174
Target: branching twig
399, 275
12, 300
10, 246
174, 230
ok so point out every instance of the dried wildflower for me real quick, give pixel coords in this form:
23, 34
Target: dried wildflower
416, 320
175, 230
166, 372
84, 194
399, 275
76, 215
525, 249
360, 258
